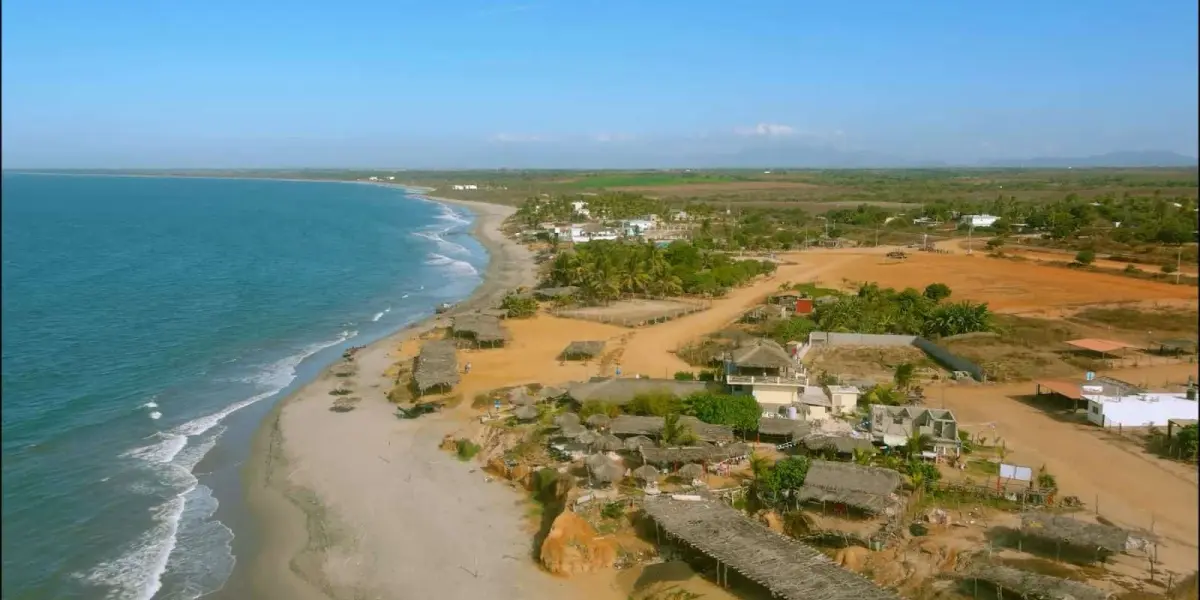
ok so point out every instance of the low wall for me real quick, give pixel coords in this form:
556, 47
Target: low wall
938, 353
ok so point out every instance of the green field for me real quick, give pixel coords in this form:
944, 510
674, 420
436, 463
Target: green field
613, 180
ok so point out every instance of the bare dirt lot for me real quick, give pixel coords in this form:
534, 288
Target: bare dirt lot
634, 313
1008, 287
868, 362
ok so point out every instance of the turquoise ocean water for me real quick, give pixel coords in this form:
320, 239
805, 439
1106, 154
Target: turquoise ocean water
142, 317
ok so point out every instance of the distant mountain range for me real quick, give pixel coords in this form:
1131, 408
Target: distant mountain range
1112, 159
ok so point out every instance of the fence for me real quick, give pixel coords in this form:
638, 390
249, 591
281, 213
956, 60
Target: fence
612, 314
938, 353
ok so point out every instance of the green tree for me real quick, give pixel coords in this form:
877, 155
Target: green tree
917, 442
922, 475
519, 306
655, 403
794, 329
884, 394
903, 375
1085, 257
598, 407
937, 291
739, 411
675, 432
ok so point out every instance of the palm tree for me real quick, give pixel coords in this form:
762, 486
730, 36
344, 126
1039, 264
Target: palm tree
916, 443
759, 464
903, 376
863, 457
884, 394
674, 432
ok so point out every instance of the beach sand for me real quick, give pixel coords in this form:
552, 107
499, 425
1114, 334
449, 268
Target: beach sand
365, 505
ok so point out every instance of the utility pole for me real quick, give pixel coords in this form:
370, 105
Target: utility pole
1178, 263
876, 236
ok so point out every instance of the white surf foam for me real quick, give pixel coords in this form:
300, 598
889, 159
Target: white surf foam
150, 405
448, 214
379, 315
442, 243
138, 573
156, 415
458, 267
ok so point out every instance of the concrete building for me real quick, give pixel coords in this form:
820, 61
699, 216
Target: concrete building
894, 425
979, 220
765, 370
1141, 410
591, 232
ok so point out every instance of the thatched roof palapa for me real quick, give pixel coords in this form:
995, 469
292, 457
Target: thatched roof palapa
567, 418
646, 473
484, 329
526, 413
665, 457
551, 393
635, 443
691, 471
762, 353
863, 487
607, 443
436, 365
788, 428
841, 444
519, 396
649, 426
1076, 533
585, 350
571, 430
621, 391
788, 568
587, 437
599, 420
1035, 585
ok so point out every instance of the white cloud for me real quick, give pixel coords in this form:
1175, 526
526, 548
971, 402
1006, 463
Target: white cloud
767, 130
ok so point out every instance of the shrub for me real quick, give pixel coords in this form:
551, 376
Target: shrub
613, 510
1132, 269
466, 449
519, 307
1168, 269
598, 407
685, 376
1085, 257
937, 291
707, 376
658, 404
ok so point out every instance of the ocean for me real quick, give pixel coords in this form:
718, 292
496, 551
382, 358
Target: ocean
142, 317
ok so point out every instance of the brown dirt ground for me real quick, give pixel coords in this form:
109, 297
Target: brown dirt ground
864, 362
629, 311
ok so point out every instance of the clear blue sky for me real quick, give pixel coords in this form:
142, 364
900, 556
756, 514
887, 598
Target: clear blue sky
222, 83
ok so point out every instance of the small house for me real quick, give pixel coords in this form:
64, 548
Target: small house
895, 425
765, 370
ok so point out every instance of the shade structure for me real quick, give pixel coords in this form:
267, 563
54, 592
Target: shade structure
566, 419
595, 461
599, 421
519, 396
587, 437
571, 430
526, 413
646, 473
607, 443
636, 442
691, 471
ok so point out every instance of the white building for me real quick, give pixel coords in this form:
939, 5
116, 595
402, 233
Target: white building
587, 233
1140, 410
843, 399
638, 226
581, 207
979, 220
765, 370
465, 186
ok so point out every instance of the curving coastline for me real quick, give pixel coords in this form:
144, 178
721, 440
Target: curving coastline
362, 504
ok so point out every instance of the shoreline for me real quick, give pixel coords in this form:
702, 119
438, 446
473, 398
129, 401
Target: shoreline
298, 535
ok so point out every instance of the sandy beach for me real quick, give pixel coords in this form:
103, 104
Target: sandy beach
364, 505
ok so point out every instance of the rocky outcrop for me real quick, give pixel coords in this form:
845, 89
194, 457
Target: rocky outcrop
572, 547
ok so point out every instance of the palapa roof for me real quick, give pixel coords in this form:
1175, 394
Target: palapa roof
784, 427
599, 420
586, 437
867, 488
622, 390
607, 443
571, 430
1098, 345
550, 393
646, 473
652, 455
480, 327
840, 443
785, 566
609, 473
519, 396
551, 293
1034, 584
526, 413
652, 426
762, 353
1077, 533
586, 349
436, 365
691, 471
567, 418
636, 442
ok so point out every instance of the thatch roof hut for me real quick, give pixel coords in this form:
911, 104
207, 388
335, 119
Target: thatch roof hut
526, 413
519, 396
1034, 585
646, 473
585, 350
607, 443
595, 461
484, 330
436, 366
869, 489
345, 404
567, 418
345, 368
841, 444
571, 430
621, 391
626, 425
609, 473
788, 568
784, 428
551, 393
761, 353
587, 437
668, 457
599, 420
1092, 536
691, 471
554, 293
635, 443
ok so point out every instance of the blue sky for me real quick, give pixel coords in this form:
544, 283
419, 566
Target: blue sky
561, 83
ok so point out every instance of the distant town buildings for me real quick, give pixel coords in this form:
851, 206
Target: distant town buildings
979, 220
464, 186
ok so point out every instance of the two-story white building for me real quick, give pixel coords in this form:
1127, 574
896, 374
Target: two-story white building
1140, 410
765, 370
979, 220
591, 232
